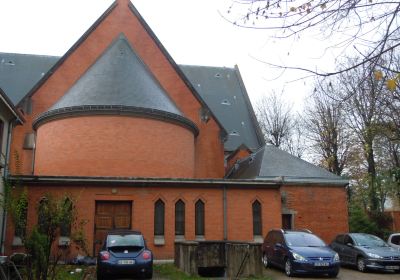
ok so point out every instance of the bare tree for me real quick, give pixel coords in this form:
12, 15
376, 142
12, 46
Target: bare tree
296, 144
362, 94
275, 119
324, 123
369, 26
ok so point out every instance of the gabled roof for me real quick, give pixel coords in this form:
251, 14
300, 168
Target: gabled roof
224, 92
118, 77
270, 162
218, 85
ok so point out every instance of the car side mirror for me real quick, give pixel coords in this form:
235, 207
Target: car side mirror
349, 244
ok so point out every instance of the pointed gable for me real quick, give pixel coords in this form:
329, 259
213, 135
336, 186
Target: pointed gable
179, 103
118, 77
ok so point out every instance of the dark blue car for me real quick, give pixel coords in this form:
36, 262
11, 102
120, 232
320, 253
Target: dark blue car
299, 252
124, 254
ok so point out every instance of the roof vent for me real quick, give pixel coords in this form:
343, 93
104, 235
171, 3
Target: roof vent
225, 102
234, 133
10, 62
218, 75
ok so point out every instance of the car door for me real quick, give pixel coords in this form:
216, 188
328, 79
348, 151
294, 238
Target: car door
280, 249
338, 246
349, 251
268, 246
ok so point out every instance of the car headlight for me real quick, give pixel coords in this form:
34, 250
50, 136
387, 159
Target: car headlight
336, 258
298, 257
374, 256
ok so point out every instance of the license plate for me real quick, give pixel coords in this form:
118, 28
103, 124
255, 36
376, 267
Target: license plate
126, 261
321, 264
392, 267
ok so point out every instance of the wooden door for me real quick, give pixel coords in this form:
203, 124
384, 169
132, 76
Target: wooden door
110, 215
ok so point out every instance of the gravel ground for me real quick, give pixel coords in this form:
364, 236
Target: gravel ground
344, 274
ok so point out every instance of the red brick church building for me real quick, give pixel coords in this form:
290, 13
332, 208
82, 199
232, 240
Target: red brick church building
140, 142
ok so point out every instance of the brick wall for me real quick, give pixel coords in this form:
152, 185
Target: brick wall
114, 146
323, 210
396, 220
209, 153
143, 199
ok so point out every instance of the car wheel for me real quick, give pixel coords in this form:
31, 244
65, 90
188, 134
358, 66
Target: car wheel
100, 277
264, 260
361, 264
148, 274
333, 274
288, 268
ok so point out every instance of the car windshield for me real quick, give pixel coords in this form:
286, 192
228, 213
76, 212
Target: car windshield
368, 240
131, 240
303, 239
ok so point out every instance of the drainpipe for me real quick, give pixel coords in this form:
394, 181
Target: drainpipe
6, 172
34, 152
224, 205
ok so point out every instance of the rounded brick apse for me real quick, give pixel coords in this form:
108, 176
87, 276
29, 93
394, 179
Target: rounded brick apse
114, 146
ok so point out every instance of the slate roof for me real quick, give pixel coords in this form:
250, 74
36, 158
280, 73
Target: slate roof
20, 72
271, 163
224, 92
118, 77
219, 86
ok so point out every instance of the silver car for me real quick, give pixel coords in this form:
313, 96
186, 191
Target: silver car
394, 240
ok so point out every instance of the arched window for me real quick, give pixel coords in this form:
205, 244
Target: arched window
159, 217
257, 218
65, 225
199, 218
180, 217
43, 215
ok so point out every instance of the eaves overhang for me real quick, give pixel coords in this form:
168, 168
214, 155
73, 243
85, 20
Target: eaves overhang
14, 111
115, 110
301, 181
140, 181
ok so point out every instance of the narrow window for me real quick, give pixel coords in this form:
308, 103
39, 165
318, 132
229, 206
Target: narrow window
21, 219
43, 216
257, 220
1, 138
159, 214
199, 218
65, 226
179, 218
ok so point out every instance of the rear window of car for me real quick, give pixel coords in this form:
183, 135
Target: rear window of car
396, 239
340, 239
116, 240
303, 239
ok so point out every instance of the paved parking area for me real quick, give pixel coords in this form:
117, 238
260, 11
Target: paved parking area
344, 274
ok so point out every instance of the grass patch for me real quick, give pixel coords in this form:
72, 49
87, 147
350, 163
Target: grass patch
68, 272
169, 271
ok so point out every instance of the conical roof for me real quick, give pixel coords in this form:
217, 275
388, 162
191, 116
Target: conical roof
117, 83
118, 77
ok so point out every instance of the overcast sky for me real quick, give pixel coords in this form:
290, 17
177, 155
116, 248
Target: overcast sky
193, 32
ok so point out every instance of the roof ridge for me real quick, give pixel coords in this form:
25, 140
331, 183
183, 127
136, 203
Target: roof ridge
302, 161
30, 54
